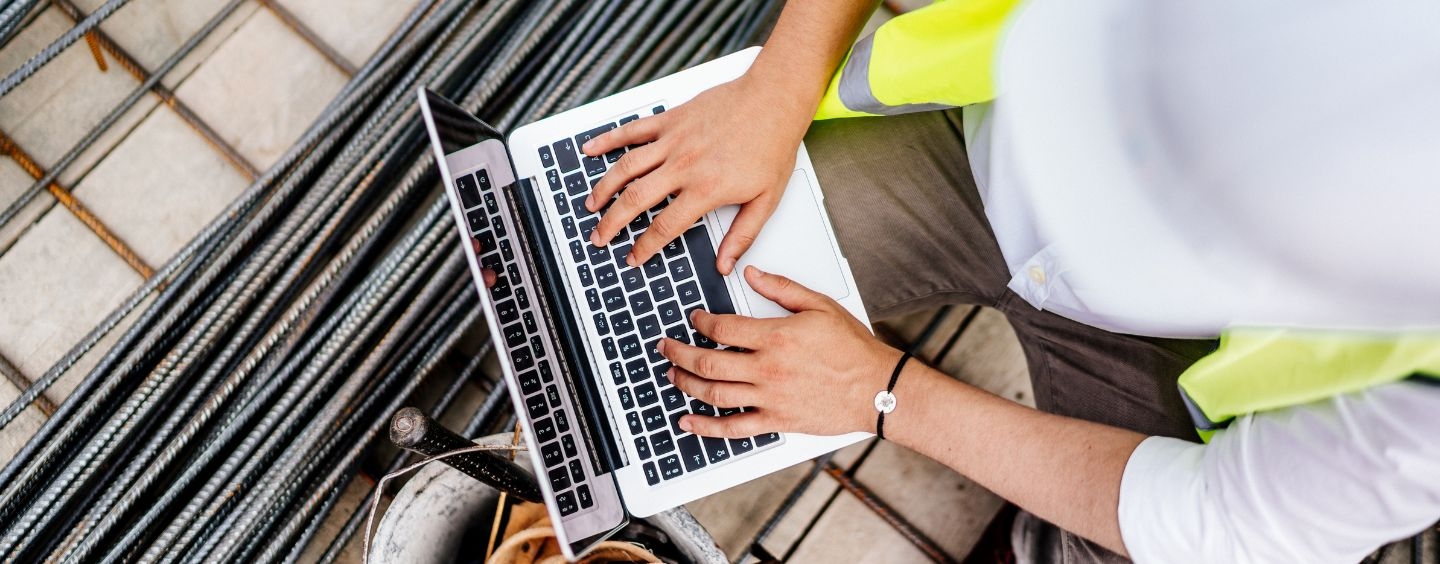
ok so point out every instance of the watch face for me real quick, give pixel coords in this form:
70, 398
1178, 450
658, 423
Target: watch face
884, 402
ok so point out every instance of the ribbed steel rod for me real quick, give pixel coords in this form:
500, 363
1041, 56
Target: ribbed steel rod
39, 60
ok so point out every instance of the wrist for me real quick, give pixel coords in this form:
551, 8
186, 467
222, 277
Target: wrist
876, 381
790, 97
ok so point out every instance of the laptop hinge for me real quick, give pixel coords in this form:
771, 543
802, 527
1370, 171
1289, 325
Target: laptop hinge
586, 392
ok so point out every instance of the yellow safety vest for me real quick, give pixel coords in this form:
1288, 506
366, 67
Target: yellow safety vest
1259, 369
936, 57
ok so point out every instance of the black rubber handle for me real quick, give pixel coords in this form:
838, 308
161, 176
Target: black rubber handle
411, 429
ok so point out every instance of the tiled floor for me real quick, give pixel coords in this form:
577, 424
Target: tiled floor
154, 182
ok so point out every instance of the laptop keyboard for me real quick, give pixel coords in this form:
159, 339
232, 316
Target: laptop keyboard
550, 417
631, 308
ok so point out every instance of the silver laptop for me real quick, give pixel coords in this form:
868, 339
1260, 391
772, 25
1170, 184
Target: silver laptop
577, 327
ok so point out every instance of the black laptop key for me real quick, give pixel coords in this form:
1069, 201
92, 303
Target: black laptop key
729, 411
565, 155
544, 431
657, 110
639, 223
601, 325
487, 244
632, 279
568, 223
506, 252
553, 178
662, 373
522, 359
587, 227
582, 494
577, 205
649, 325
640, 302
670, 312
642, 447
701, 408
680, 269
577, 252
535, 405
552, 454
741, 446
632, 419
653, 352
592, 299
506, 311
662, 442
483, 178
717, 295
577, 471
605, 274
716, 449
614, 299
585, 277
528, 319
679, 333
547, 160
560, 479
613, 156
562, 421
522, 298
691, 453
568, 443
630, 347
670, 467
529, 382
562, 204
501, 289
585, 136
617, 373
478, 220
673, 249
566, 503
689, 293
545, 373
621, 322
499, 226
537, 347
627, 401
621, 251
654, 418
637, 371
673, 397
600, 256
594, 166
675, 422
469, 193
652, 475
491, 260
655, 267
490, 204
575, 185
629, 118
646, 395
552, 393
608, 345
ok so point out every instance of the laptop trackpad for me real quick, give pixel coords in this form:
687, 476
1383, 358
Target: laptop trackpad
795, 243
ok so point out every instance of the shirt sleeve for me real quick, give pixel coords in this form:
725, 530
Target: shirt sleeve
1328, 481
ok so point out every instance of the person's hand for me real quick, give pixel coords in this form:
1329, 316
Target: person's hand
485, 273
729, 145
815, 372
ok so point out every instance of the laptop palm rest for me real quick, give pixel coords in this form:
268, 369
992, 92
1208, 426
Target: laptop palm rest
795, 243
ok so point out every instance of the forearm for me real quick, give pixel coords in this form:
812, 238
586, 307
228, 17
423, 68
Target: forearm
1064, 470
807, 44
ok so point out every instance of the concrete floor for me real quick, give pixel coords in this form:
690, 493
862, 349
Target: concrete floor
154, 182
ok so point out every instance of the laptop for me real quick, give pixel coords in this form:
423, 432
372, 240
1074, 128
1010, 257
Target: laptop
576, 327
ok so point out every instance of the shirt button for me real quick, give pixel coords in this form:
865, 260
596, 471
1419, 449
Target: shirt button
1037, 275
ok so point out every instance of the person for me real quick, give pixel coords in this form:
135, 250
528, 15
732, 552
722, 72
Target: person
1149, 177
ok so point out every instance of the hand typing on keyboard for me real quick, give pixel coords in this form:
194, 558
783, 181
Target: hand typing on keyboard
488, 274
732, 144
813, 372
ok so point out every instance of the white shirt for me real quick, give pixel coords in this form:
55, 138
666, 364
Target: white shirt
1173, 169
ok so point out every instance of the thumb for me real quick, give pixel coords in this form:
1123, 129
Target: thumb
742, 233
784, 291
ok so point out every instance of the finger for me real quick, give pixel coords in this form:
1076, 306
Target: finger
634, 164
733, 330
671, 223
786, 292
489, 277
718, 393
743, 232
737, 426
640, 196
640, 131
711, 364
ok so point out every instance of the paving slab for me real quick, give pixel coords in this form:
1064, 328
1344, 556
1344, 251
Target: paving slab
262, 88
734, 516
949, 508
13, 182
152, 30
849, 532
160, 187
56, 283
354, 28
51, 112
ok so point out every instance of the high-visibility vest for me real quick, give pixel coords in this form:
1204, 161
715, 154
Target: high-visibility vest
940, 56
1259, 369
